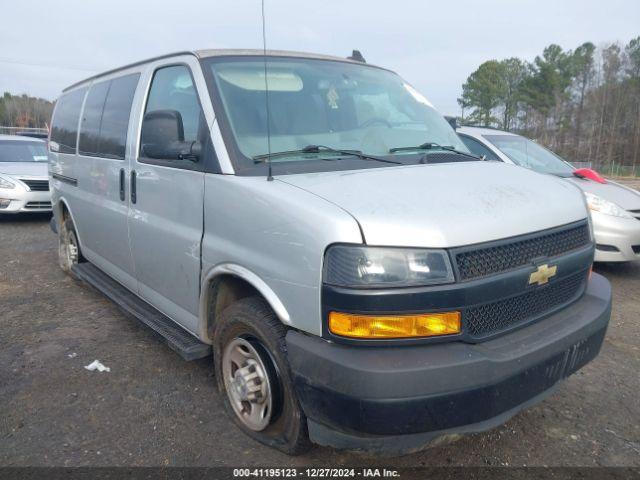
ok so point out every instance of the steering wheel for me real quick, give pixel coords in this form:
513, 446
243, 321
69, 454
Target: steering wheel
373, 121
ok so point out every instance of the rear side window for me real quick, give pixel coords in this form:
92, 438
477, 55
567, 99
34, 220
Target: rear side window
64, 127
478, 148
91, 119
115, 118
105, 119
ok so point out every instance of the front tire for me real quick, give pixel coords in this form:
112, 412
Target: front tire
252, 373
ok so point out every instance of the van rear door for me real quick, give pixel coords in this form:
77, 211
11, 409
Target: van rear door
167, 194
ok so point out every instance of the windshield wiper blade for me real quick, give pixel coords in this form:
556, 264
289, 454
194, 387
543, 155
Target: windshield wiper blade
433, 145
424, 146
320, 149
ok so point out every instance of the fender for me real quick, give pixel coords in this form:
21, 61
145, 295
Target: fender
248, 276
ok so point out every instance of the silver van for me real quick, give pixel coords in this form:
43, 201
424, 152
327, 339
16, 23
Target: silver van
361, 279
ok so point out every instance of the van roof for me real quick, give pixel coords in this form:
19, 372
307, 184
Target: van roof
224, 53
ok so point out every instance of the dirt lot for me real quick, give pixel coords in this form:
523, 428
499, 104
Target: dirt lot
155, 409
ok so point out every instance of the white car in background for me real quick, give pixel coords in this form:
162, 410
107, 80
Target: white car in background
615, 209
24, 178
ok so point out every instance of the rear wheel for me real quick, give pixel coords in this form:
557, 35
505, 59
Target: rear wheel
253, 375
68, 246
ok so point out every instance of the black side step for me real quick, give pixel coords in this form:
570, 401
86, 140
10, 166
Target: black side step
183, 342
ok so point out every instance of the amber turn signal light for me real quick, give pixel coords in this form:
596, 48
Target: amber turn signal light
394, 326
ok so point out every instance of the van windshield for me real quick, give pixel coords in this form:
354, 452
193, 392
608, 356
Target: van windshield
529, 154
22, 151
335, 104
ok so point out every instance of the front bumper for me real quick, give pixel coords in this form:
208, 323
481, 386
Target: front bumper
616, 238
398, 399
23, 200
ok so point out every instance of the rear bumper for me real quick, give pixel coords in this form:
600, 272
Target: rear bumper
397, 399
618, 235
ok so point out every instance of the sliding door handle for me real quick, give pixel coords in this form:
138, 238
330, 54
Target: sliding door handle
134, 197
122, 184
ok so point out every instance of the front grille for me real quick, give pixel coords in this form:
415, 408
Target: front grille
37, 205
489, 318
501, 256
36, 185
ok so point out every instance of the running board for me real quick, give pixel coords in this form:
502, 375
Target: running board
183, 342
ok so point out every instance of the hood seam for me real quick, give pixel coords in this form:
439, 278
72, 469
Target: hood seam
364, 241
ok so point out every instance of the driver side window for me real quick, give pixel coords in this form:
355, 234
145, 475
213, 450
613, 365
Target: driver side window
173, 96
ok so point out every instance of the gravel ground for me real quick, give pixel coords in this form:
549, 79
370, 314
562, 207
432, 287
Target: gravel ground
154, 409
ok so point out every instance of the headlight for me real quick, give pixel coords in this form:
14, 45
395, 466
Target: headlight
6, 183
358, 266
598, 204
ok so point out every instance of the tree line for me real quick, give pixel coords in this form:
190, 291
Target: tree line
584, 103
24, 111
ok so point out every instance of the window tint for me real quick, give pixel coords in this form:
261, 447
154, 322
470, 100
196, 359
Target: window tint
91, 118
105, 119
172, 89
115, 118
478, 148
64, 127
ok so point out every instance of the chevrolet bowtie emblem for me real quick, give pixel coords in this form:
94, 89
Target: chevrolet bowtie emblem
542, 274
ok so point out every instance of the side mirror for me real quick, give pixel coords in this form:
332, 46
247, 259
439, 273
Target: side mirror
453, 121
163, 137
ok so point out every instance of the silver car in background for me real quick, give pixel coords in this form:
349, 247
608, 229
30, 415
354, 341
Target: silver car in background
615, 209
24, 181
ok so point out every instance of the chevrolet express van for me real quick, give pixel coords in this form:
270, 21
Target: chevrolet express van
361, 279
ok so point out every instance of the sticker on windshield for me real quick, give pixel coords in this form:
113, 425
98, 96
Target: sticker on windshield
39, 158
332, 97
417, 95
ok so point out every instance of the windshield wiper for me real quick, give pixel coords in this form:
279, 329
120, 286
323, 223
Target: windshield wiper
321, 149
432, 145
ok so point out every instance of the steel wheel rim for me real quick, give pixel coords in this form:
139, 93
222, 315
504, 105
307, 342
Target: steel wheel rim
247, 384
72, 249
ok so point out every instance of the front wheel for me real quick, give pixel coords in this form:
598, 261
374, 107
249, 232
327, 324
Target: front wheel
253, 375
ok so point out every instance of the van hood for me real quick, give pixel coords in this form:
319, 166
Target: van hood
447, 205
27, 169
623, 196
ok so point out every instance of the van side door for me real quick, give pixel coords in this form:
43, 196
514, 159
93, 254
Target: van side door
99, 204
167, 192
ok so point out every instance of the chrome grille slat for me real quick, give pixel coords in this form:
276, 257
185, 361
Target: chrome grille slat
36, 185
38, 205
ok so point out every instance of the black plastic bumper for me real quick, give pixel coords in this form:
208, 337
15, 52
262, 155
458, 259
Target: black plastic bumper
355, 396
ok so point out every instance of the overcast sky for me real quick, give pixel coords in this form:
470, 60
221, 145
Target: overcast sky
47, 45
